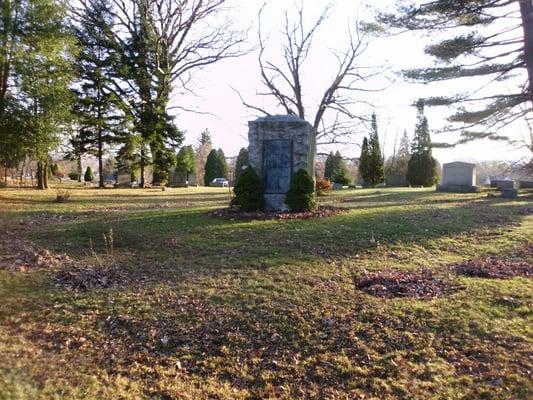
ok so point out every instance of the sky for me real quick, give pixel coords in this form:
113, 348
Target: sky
215, 88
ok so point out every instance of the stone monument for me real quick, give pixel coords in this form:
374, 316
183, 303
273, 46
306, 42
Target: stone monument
459, 177
280, 145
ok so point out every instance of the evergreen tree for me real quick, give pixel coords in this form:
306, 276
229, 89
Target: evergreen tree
89, 176
186, 161
36, 71
375, 166
364, 162
43, 73
212, 167
422, 169
330, 166
340, 171
396, 170
75, 152
242, 162
222, 168
477, 38
203, 148
128, 157
97, 106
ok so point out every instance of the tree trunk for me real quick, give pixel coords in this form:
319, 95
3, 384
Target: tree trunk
45, 175
100, 159
4, 53
526, 11
40, 176
142, 183
80, 168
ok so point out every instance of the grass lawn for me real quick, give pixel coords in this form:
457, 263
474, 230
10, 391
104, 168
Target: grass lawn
226, 309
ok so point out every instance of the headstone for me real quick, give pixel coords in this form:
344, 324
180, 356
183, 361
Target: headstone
458, 177
510, 193
507, 184
279, 146
124, 179
177, 179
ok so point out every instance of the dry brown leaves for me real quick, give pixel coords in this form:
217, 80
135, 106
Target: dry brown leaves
17, 254
497, 267
422, 284
236, 214
84, 278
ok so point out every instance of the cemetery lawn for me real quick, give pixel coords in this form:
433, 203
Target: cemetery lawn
206, 308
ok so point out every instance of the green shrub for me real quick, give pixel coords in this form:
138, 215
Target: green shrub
342, 177
74, 176
248, 191
89, 176
301, 195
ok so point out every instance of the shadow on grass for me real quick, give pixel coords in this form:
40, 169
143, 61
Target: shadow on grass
190, 239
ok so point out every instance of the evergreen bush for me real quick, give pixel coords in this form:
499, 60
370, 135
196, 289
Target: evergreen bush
89, 176
248, 191
301, 195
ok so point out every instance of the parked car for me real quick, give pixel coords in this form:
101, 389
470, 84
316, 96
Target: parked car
219, 182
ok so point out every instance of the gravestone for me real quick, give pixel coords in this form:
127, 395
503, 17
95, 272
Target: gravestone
458, 177
509, 193
280, 145
123, 178
507, 184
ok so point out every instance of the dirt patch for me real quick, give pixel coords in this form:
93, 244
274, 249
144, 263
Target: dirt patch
495, 267
84, 278
422, 284
236, 214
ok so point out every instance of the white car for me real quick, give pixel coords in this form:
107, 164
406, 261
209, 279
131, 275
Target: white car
219, 182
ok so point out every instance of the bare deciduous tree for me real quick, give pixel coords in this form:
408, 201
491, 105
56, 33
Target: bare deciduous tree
332, 118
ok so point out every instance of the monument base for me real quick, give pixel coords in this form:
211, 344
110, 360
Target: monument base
458, 189
275, 202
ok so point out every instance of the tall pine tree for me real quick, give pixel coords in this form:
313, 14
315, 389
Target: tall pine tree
97, 107
203, 148
422, 169
375, 167
42, 72
340, 171
35, 73
364, 163
329, 170
223, 167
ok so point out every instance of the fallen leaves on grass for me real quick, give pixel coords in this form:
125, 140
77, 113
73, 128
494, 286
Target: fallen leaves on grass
422, 284
495, 267
83, 278
235, 214
17, 254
